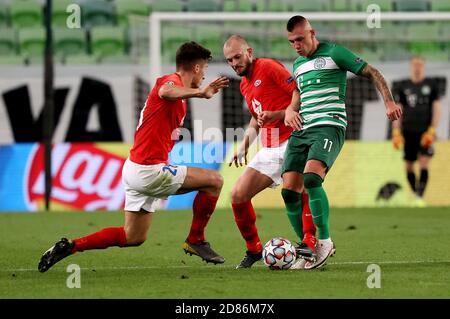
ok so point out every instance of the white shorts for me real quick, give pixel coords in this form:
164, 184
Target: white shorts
269, 161
146, 184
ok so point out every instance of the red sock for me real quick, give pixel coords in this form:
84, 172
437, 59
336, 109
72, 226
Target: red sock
107, 237
245, 218
203, 207
309, 229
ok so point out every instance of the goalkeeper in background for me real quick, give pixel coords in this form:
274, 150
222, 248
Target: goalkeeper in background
416, 131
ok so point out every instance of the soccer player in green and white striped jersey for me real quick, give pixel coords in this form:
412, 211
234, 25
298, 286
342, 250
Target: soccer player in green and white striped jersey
317, 115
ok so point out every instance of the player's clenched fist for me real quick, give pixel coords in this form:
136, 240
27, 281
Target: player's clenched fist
393, 111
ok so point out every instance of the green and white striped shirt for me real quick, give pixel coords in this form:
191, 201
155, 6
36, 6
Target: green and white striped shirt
322, 80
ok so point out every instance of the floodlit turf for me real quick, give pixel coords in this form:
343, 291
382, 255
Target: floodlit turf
411, 247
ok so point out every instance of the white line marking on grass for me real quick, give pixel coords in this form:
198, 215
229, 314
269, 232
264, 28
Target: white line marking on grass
393, 262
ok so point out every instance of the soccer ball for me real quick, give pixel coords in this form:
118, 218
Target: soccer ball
279, 253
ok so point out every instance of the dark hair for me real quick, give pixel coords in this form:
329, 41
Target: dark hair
292, 23
189, 53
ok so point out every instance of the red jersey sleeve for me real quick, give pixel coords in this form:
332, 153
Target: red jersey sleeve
281, 76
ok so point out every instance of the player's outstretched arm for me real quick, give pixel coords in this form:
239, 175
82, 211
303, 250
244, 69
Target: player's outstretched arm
250, 135
171, 92
393, 111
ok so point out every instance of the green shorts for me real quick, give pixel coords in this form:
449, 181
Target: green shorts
321, 143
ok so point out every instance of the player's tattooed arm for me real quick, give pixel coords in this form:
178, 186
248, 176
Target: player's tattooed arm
393, 111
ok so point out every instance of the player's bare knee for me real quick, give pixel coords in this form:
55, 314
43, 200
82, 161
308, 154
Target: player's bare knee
238, 196
136, 240
217, 181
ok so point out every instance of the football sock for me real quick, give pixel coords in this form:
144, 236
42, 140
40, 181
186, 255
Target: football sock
293, 203
423, 179
308, 224
412, 180
107, 237
202, 208
245, 218
318, 202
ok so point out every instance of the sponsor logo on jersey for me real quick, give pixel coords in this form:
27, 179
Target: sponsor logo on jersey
319, 63
257, 107
358, 60
257, 82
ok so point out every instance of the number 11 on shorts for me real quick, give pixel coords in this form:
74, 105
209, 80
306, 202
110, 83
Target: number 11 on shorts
327, 144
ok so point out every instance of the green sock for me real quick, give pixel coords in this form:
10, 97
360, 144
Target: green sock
318, 202
293, 203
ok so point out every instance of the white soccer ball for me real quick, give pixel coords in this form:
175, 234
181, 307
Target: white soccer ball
279, 253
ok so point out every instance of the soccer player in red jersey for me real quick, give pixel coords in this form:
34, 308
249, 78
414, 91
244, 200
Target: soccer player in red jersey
267, 88
146, 174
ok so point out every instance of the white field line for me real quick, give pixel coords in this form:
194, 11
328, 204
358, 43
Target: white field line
399, 262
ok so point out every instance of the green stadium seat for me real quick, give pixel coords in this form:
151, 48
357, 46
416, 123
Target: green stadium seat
59, 12
26, 13
370, 55
385, 5
411, 5
69, 41
80, 59
424, 31
97, 13
238, 5
32, 42
8, 42
124, 8
167, 5
440, 5
340, 5
202, 5
210, 36
173, 35
107, 40
4, 15
309, 6
272, 5
395, 52
11, 60
116, 59
281, 50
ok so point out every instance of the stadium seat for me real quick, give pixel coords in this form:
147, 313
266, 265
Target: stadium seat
167, 5
79, 59
26, 13
424, 31
281, 50
202, 5
11, 60
59, 12
8, 42
173, 35
107, 41
32, 42
238, 6
411, 5
210, 36
309, 6
278, 6
370, 55
124, 8
69, 41
4, 15
385, 5
340, 5
440, 5
97, 13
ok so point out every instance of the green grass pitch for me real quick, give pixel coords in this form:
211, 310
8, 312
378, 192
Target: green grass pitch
411, 247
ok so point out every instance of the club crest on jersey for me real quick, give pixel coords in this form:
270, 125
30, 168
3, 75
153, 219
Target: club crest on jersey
426, 90
257, 82
319, 63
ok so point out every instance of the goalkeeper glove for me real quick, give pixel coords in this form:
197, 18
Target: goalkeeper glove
428, 137
397, 138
